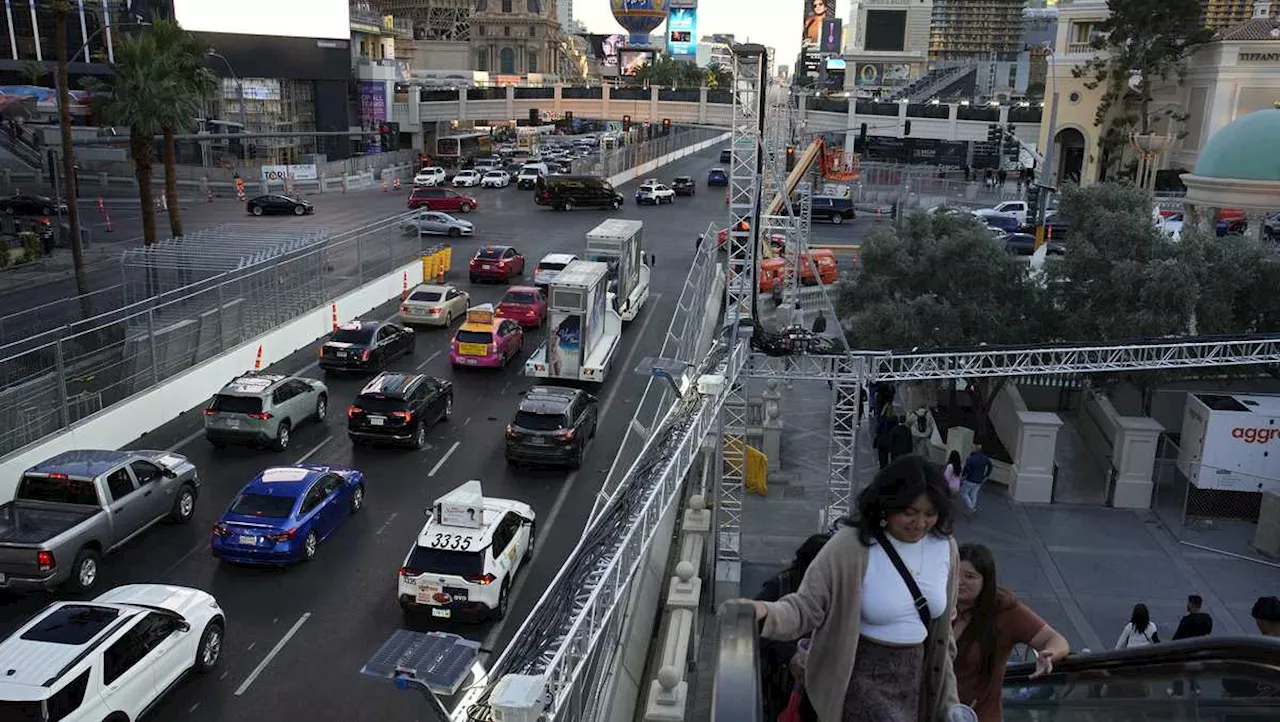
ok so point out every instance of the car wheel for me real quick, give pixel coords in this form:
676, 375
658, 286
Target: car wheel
420, 436
837, 219
184, 507
299, 210
84, 571
448, 408
322, 407
357, 499
465, 207
500, 612
513, 463
533, 540
282, 437
576, 462
209, 652
454, 232
617, 204
568, 205
474, 279
256, 210
309, 545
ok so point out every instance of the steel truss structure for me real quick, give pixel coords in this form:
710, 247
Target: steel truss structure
434, 19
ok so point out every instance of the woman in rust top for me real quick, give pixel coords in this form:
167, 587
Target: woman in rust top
989, 623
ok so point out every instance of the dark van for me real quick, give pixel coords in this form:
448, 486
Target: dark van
726, 156
832, 209
566, 192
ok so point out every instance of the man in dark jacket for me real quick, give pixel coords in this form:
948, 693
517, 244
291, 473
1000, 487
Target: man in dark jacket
1195, 624
899, 439
976, 470
820, 323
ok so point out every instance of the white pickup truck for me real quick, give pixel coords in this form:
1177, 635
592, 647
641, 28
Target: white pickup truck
1008, 209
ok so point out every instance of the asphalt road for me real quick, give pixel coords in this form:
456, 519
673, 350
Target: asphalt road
314, 625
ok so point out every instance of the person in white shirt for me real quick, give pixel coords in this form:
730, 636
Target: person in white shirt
1140, 631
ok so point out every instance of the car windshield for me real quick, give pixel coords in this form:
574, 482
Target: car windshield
236, 404
546, 266
446, 561
59, 490
380, 404
489, 254
479, 337
493, 174
264, 505
352, 335
518, 297
539, 422
425, 296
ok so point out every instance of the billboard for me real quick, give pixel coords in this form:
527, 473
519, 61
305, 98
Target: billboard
321, 19
605, 48
832, 35
631, 60
816, 12
564, 345
682, 32
875, 75
272, 173
373, 110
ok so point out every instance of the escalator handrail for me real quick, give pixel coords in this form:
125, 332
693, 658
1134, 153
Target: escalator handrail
1254, 657
736, 694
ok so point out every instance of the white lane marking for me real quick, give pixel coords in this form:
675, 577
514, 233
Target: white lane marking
467, 421
386, 524
492, 638
505, 386
251, 646
430, 358
272, 654
314, 449
187, 440
223, 675
444, 458
193, 708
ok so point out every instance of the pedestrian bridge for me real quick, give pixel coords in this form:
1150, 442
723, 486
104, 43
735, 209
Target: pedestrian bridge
705, 106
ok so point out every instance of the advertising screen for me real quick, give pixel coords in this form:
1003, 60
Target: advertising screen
564, 347
832, 35
682, 32
373, 110
816, 12
886, 30
321, 19
605, 48
632, 60
872, 75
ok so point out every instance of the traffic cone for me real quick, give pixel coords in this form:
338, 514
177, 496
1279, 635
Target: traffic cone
440, 273
405, 292
384, 186
335, 317
395, 184
257, 362
101, 206
726, 196
210, 193
108, 218
878, 212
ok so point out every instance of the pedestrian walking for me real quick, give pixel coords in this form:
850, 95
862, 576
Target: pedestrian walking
976, 470
921, 425
820, 323
777, 682
884, 427
1195, 623
797, 315
899, 439
951, 472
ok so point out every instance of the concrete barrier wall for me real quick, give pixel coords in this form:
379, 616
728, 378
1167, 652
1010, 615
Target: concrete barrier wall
121, 423
640, 170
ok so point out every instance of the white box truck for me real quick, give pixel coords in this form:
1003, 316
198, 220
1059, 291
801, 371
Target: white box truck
618, 243
1227, 440
583, 332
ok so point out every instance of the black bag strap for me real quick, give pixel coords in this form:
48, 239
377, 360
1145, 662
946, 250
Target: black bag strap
922, 604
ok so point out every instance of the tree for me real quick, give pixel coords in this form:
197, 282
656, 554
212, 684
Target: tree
1143, 41
193, 83
943, 281
61, 8
719, 76
1235, 283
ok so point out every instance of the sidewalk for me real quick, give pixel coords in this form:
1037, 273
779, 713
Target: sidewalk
1081, 567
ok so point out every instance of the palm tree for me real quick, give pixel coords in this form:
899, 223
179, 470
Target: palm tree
61, 8
193, 83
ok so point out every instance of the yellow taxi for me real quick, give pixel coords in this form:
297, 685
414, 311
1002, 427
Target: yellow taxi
486, 340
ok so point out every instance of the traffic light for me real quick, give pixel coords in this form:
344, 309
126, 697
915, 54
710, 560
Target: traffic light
1033, 196
534, 116
862, 135
384, 137
906, 128
393, 135
626, 124
666, 126
791, 158
568, 115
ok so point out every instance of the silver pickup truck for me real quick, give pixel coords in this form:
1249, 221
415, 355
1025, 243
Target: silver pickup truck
71, 510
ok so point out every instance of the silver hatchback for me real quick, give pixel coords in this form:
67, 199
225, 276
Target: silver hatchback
263, 410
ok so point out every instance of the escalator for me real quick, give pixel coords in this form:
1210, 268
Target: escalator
1222, 679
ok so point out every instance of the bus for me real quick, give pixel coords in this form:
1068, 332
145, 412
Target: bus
453, 148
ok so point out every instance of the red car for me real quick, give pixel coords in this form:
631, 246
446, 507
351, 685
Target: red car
496, 263
525, 305
441, 199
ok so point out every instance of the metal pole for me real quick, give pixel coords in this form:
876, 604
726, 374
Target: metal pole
1046, 172
359, 259
222, 345
244, 124
60, 368
151, 334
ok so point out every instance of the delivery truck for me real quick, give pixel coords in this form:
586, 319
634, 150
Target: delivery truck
583, 329
618, 244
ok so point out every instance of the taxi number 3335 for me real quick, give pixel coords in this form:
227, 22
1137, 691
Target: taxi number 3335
451, 541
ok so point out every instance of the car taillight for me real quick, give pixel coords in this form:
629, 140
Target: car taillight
209, 412
493, 347
220, 530
405, 416
45, 561
435, 312
567, 434
511, 432
486, 579
364, 355
260, 417
404, 309
282, 536
409, 572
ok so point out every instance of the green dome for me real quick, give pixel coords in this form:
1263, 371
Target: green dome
1244, 149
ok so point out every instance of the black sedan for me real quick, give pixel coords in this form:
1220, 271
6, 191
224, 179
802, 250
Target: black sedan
683, 185
1024, 244
273, 203
365, 345
28, 205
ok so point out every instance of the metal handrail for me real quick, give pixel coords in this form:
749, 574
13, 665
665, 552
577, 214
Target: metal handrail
736, 696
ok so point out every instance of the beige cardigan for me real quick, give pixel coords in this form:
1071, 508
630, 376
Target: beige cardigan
829, 605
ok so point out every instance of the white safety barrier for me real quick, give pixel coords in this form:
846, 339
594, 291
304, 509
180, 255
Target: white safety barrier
119, 424
640, 170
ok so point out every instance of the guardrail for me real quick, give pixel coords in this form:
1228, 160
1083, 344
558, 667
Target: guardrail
736, 696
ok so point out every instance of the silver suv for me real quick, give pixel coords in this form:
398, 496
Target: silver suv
263, 409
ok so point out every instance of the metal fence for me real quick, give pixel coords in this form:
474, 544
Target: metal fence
78, 369
613, 162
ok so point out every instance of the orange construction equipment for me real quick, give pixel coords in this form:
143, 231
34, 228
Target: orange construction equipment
335, 316
257, 362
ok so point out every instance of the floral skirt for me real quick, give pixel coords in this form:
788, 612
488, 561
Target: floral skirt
885, 686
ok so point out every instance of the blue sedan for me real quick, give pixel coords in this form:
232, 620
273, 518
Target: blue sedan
717, 177
282, 515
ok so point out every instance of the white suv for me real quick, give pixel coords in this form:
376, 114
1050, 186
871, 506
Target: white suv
429, 177
654, 193
114, 657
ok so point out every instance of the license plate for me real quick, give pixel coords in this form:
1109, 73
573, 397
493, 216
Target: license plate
486, 266
340, 354
376, 421
233, 423
537, 441
441, 613
470, 361
251, 541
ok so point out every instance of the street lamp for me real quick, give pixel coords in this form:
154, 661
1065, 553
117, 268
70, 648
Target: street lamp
244, 124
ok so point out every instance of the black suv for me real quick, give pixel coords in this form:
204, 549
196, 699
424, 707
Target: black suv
835, 210
552, 426
397, 408
683, 185
364, 345
726, 155
565, 192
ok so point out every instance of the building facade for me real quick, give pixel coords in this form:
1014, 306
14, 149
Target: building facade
1224, 14
890, 45
970, 30
515, 37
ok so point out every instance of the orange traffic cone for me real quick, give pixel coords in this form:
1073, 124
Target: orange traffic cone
878, 211
335, 317
395, 184
404, 293
108, 219
210, 193
257, 362
101, 206
384, 186
440, 274
726, 196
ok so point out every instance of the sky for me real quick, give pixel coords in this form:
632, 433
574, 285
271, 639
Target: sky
775, 23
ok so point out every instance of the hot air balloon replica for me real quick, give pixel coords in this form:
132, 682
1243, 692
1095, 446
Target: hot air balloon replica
639, 17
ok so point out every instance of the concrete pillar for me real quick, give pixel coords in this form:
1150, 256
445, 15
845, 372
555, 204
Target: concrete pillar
702, 105
1034, 456
1137, 439
604, 101
772, 425
653, 104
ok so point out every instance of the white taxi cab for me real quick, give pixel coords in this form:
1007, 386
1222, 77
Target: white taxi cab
464, 561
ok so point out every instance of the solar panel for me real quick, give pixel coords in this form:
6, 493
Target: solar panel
436, 660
